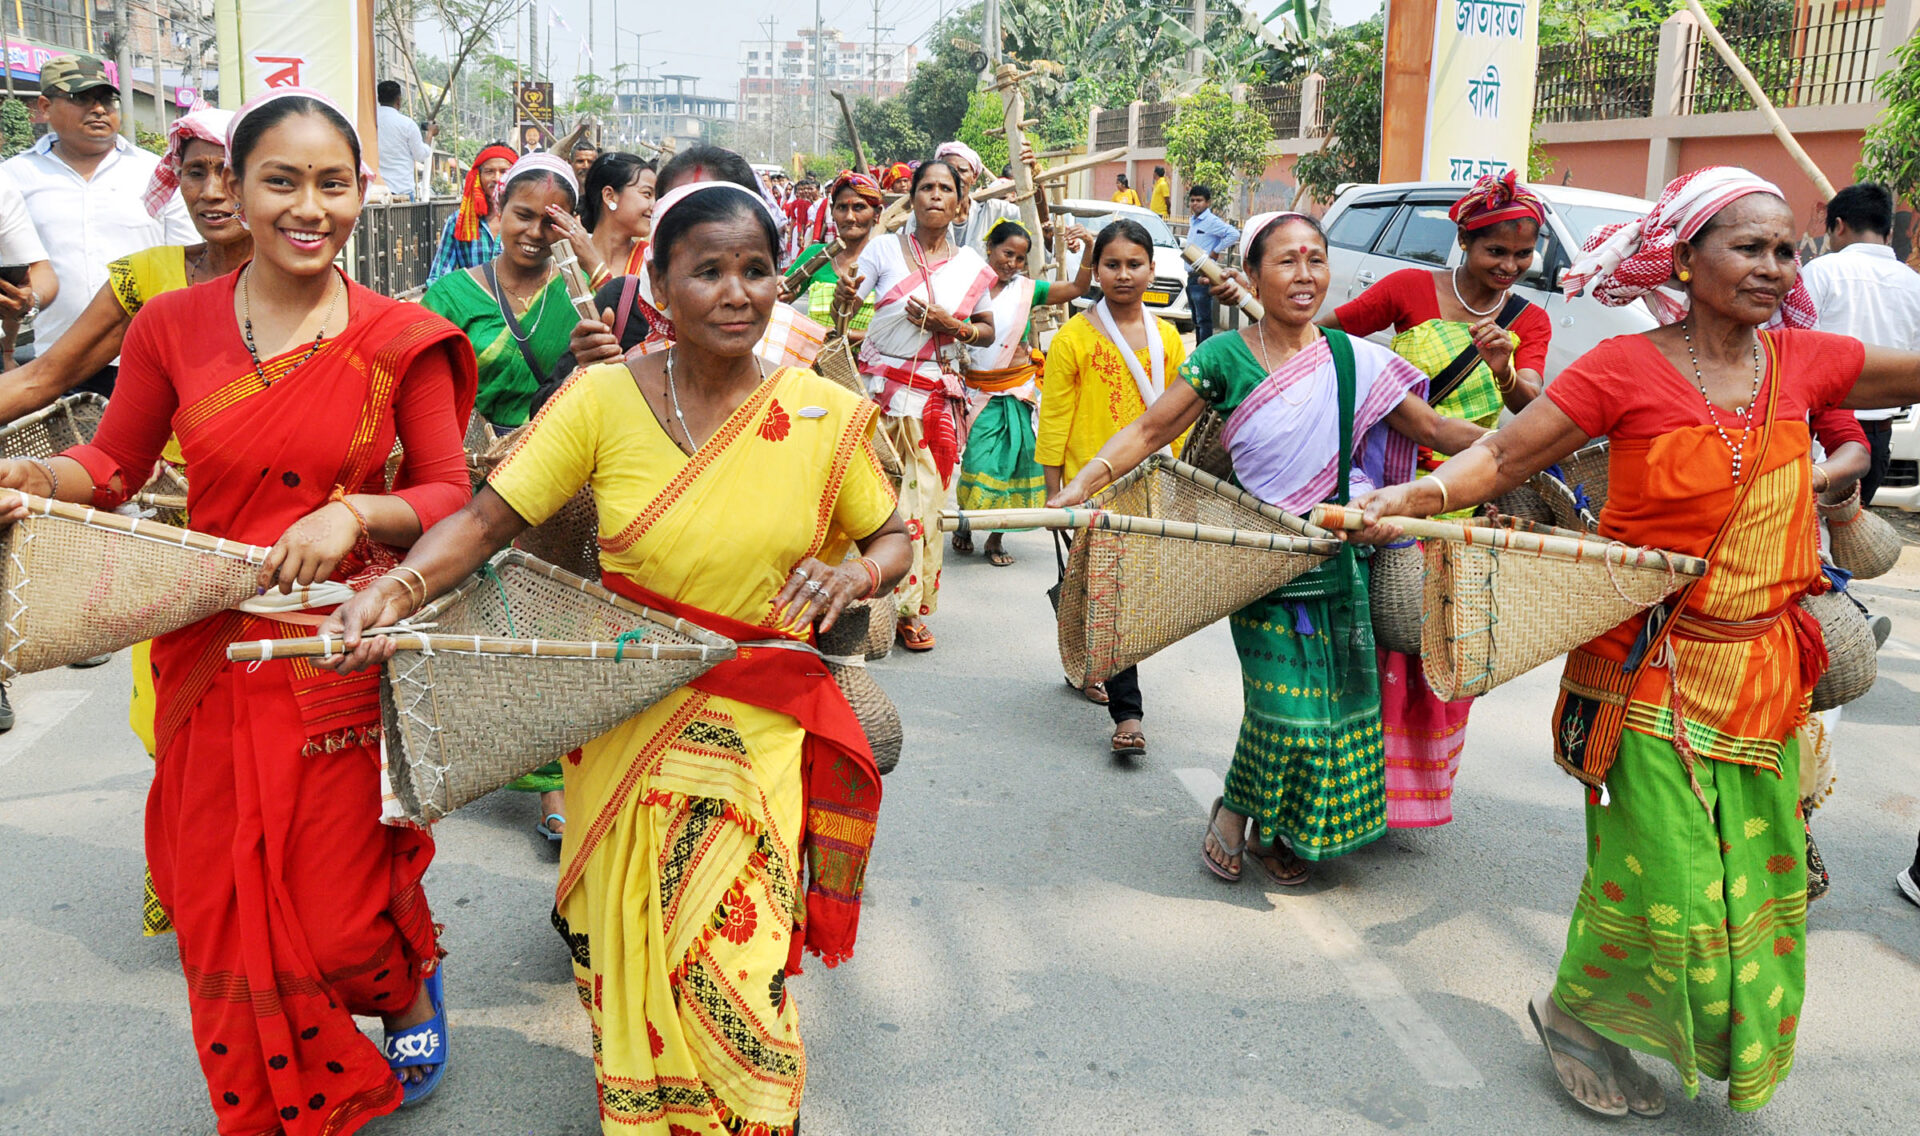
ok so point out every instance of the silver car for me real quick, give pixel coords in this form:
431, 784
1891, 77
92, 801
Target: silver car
1374, 230
1166, 297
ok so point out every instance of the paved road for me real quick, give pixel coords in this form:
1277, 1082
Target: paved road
1041, 950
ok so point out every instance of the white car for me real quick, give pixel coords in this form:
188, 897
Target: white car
1373, 230
1167, 296
1901, 488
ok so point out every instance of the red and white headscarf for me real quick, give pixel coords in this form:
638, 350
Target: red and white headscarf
204, 122
1624, 262
1493, 200
1260, 223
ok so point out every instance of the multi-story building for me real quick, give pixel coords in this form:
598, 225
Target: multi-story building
777, 85
168, 46
668, 107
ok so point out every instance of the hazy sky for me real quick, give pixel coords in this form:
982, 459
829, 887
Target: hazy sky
702, 37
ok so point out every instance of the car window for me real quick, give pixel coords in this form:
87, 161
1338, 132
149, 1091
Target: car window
1156, 228
1582, 220
1360, 225
1545, 252
1422, 233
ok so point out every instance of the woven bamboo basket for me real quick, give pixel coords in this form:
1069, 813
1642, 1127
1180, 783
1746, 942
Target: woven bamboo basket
845, 649
1128, 595
1585, 471
1565, 508
1206, 450
466, 716
1500, 600
570, 539
165, 497
1860, 542
1852, 657
49, 430
76, 582
1395, 590
879, 623
1521, 501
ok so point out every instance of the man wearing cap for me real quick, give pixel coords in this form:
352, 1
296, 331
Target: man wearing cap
84, 184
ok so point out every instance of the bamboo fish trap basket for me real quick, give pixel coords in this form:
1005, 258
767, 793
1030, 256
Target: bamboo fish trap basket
1499, 601
1128, 594
570, 539
47, 431
1585, 471
513, 668
1853, 663
1861, 542
845, 649
76, 582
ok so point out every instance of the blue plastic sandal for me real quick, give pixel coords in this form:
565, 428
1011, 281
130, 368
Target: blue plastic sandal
545, 829
424, 1044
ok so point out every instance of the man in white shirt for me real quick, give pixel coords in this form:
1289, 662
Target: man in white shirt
402, 149
1861, 289
20, 247
84, 187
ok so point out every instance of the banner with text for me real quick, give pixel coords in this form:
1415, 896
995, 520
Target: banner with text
1480, 100
289, 43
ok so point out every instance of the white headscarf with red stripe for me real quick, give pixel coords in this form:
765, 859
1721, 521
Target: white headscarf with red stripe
206, 123
1624, 262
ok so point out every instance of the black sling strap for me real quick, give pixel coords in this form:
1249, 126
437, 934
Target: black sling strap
1449, 380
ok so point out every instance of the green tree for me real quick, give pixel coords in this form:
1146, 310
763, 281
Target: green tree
16, 127
1350, 112
887, 132
1890, 153
986, 113
1211, 139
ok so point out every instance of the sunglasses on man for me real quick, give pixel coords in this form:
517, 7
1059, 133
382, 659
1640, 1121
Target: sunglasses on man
105, 97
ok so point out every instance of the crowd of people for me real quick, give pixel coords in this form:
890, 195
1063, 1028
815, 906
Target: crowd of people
727, 829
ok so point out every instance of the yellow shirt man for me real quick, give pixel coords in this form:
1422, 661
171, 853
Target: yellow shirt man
1162, 193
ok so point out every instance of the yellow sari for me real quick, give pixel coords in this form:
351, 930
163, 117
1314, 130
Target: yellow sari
679, 893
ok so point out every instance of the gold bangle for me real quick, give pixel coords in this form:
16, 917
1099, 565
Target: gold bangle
1111, 476
1446, 505
424, 591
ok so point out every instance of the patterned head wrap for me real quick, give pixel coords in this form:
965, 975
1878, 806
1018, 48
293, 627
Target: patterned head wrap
680, 193
1493, 200
1259, 223
896, 173
866, 187
1625, 261
543, 162
275, 94
473, 203
206, 123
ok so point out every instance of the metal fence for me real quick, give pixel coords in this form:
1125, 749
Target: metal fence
1800, 57
393, 245
1153, 123
1599, 78
1110, 129
1281, 105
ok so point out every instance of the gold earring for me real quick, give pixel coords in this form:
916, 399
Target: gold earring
1685, 276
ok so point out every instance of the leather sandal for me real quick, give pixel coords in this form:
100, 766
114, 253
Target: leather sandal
1129, 744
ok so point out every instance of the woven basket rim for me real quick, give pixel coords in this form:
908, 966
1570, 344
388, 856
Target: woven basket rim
1200, 477
516, 558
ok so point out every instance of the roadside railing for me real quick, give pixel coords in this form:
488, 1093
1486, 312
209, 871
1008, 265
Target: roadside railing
1605, 77
393, 245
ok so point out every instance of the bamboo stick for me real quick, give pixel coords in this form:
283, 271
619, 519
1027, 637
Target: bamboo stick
160, 500
579, 289
1061, 172
853, 132
986, 519
327, 646
1513, 540
1210, 268
144, 529
1760, 100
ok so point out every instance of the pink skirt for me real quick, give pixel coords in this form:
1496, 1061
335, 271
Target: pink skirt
1424, 737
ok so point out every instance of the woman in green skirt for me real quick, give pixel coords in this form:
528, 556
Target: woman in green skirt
515, 311
997, 471
1312, 417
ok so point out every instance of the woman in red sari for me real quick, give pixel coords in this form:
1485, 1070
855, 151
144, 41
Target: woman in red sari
287, 385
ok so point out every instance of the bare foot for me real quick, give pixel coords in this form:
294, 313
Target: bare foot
1579, 1058
1642, 1089
420, 1011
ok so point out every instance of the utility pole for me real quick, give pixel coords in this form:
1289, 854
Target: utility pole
533, 41
773, 86
990, 32
819, 55
873, 89
1197, 58
123, 59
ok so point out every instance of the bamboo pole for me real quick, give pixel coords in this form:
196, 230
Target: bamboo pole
328, 646
144, 529
1210, 268
1760, 100
989, 519
853, 132
1061, 172
1514, 540
160, 500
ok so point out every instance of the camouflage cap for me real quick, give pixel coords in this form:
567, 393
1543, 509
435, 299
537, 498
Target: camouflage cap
71, 74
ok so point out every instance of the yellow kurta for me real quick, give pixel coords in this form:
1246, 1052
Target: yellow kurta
678, 893
1089, 395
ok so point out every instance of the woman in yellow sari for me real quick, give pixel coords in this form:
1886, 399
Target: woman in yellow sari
730, 498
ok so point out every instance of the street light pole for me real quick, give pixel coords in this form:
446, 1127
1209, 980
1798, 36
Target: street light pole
818, 55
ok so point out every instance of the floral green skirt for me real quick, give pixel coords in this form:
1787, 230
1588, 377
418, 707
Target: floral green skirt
1310, 763
1689, 941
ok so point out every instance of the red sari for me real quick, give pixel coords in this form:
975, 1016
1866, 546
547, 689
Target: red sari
296, 908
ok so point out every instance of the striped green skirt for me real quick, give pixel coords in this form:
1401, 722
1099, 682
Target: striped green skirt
998, 471
1689, 941
1310, 765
